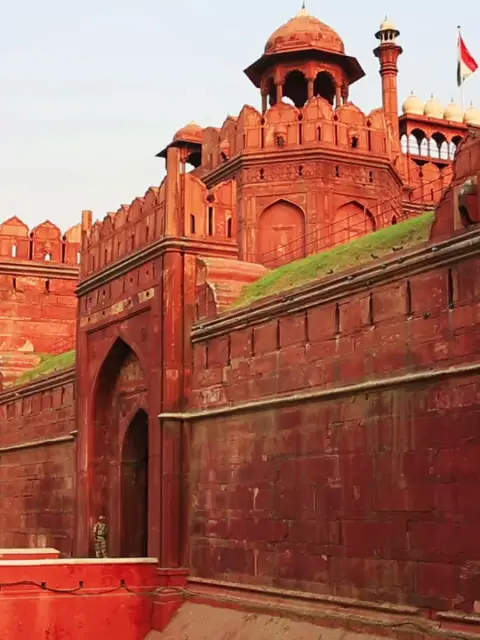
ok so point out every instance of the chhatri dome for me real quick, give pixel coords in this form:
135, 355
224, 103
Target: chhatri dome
192, 132
453, 112
434, 109
472, 116
304, 31
413, 105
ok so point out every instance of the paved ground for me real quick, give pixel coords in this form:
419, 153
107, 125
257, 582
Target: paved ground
201, 622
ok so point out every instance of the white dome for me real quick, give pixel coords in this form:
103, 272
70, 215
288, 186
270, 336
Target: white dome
413, 105
434, 109
387, 25
453, 112
472, 116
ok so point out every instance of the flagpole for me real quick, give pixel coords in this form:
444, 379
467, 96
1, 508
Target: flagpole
462, 95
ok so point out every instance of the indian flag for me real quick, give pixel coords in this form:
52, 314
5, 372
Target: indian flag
466, 62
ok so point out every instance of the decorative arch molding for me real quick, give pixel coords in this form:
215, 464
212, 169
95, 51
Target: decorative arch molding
120, 336
140, 406
278, 199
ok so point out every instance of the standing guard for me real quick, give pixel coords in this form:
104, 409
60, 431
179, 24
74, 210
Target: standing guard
100, 535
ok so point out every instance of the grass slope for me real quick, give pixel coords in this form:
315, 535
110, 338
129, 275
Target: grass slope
50, 364
354, 254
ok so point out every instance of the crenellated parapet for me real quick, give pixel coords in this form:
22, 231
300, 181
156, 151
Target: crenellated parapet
43, 243
283, 126
197, 212
119, 234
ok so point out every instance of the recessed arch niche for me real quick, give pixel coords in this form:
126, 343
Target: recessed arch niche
350, 221
280, 234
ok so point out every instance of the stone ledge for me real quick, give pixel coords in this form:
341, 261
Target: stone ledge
60, 562
273, 402
58, 379
39, 443
331, 289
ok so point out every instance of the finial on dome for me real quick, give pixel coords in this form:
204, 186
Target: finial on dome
303, 11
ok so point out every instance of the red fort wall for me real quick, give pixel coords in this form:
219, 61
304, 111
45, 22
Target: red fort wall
37, 464
337, 450
38, 308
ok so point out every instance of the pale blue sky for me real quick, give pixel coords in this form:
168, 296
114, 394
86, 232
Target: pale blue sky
91, 91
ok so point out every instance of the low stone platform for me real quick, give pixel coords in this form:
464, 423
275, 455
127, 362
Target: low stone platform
202, 622
76, 599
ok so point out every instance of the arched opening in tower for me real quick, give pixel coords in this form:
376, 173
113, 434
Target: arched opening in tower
134, 489
194, 159
324, 86
296, 88
119, 439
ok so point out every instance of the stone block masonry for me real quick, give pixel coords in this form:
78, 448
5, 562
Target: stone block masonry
335, 436
37, 464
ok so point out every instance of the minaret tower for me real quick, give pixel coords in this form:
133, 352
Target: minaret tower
387, 52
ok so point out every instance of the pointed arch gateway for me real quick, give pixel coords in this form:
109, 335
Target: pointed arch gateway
120, 442
281, 234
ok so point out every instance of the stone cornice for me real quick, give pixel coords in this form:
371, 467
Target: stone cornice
39, 269
152, 251
333, 288
278, 402
66, 376
243, 160
44, 442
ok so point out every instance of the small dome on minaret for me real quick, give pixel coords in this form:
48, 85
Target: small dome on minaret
434, 109
453, 112
413, 105
387, 32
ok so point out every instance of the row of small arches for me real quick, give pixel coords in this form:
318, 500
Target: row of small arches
437, 146
297, 89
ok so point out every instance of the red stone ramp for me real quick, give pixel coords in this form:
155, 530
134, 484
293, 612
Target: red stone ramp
202, 622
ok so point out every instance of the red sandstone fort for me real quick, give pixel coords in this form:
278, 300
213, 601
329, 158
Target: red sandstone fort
263, 372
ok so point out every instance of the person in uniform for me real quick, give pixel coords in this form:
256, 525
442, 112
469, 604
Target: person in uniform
100, 535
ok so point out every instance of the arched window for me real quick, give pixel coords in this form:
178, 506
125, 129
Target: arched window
48, 257
413, 146
229, 227
325, 87
295, 88
436, 143
14, 250
422, 143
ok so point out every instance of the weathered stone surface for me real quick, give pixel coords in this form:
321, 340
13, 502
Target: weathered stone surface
199, 622
37, 466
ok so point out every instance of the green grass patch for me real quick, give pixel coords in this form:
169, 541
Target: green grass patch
354, 254
49, 364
